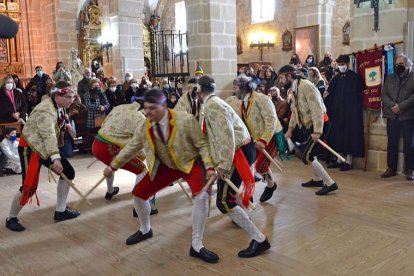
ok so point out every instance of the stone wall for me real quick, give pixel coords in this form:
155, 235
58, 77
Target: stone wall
363, 37
341, 14
285, 18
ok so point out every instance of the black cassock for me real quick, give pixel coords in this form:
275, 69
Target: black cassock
344, 105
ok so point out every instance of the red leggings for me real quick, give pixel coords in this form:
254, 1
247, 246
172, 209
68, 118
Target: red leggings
105, 153
164, 176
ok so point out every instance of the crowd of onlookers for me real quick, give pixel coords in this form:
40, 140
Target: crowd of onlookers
96, 98
340, 87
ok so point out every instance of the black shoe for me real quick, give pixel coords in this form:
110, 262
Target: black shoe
345, 167
65, 215
14, 225
389, 173
255, 248
153, 212
267, 193
334, 165
109, 196
313, 183
204, 254
257, 178
327, 189
138, 237
410, 175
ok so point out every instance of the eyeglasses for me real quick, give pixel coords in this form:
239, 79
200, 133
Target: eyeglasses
69, 97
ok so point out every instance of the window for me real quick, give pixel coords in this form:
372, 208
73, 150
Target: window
180, 17
262, 10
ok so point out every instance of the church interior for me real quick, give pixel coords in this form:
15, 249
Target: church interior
130, 46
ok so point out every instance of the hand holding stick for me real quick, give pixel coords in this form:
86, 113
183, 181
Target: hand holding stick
331, 150
272, 160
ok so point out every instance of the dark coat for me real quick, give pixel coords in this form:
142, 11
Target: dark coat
345, 113
7, 109
400, 91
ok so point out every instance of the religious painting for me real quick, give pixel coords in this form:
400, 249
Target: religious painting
287, 41
3, 50
307, 42
345, 33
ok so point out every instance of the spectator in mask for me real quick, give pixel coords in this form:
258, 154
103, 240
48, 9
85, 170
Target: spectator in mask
127, 82
9, 147
83, 84
131, 91
114, 97
13, 105
40, 81
61, 74
310, 61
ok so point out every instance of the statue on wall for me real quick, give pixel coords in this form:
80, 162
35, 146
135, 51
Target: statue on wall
84, 25
94, 13
76, 69
154, 20
345, 33
239, 45
287, 41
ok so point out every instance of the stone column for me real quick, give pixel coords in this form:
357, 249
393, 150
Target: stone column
127, 54
317, 12
211, 26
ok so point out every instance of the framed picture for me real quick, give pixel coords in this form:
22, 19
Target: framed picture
307, 42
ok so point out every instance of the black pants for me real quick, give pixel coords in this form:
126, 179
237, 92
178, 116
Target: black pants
25, 154
226, 197
310, 149
394, 130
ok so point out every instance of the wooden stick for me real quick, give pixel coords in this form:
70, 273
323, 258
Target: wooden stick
272, 160
367, 140
331, 150
74, 188
231, 184
185, 191
90, 191
93, 162
209, 183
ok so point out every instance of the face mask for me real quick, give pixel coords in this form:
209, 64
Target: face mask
9, 86
128, 78
93, 78
13, 138
95, 89
309, 60
274, 98
326, 59
113, 89
399, 68
40, 73
342, 68
134, 85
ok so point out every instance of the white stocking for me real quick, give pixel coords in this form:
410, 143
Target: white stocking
62, 194
200, 212
239, 216
143, 209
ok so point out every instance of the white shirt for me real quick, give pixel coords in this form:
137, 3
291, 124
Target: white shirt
246, 100
164, 124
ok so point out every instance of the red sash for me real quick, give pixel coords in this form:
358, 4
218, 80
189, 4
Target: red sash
246, 174
32, 175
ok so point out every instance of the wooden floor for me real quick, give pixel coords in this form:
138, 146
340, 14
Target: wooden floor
367, 227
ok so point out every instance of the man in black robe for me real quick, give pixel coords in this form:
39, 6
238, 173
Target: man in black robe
345, 112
